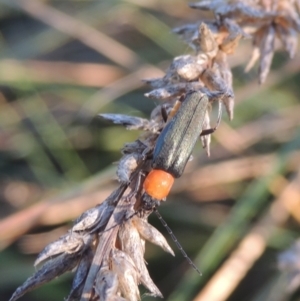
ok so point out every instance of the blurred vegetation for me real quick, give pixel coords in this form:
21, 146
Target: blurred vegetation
64, 62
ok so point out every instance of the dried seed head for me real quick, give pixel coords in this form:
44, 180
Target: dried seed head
112, 235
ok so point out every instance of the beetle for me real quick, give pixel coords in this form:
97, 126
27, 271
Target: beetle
174, 147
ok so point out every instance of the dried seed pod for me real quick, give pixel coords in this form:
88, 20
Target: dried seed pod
185, 67
132, 244
127, 273
228, 101
94, 218
266, 52
206, 139
167, 92
230, 43
176, 90
155, 82
234, 29
107, 285
205, 5
288, 38
130, 122
254, 58
224, 72
189, 34
151, 234
221, 64
212, 79
80, 275
130, 241
207, 41
69, 243
236, 10
189, 68
127, 165
50, 270
287, 16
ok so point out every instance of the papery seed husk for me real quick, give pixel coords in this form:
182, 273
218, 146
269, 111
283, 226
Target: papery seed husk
187, 67
192, 71
287, 16
127, 273
234, 29
203, 5
127, 165
164, 93
240, 11
213, 81
133, 245
107, 285
205, 140
229, 105
254, 58
289, 39
94, 218
80, 275
130, 122
155, 82
151, 234
89, 218
68, 243
189, 34
176, 90
208, 44
46, 273
266, 53
230, 44
224, 68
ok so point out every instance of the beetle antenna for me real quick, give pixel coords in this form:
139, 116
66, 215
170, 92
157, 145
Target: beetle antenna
176, 241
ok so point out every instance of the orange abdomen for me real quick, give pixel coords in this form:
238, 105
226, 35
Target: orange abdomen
158, 184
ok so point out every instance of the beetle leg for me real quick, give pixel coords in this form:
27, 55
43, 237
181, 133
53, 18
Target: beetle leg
147, 153
137, 186
164, 113
210, 131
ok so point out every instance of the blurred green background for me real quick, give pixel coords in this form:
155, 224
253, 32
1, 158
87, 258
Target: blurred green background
64, 62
